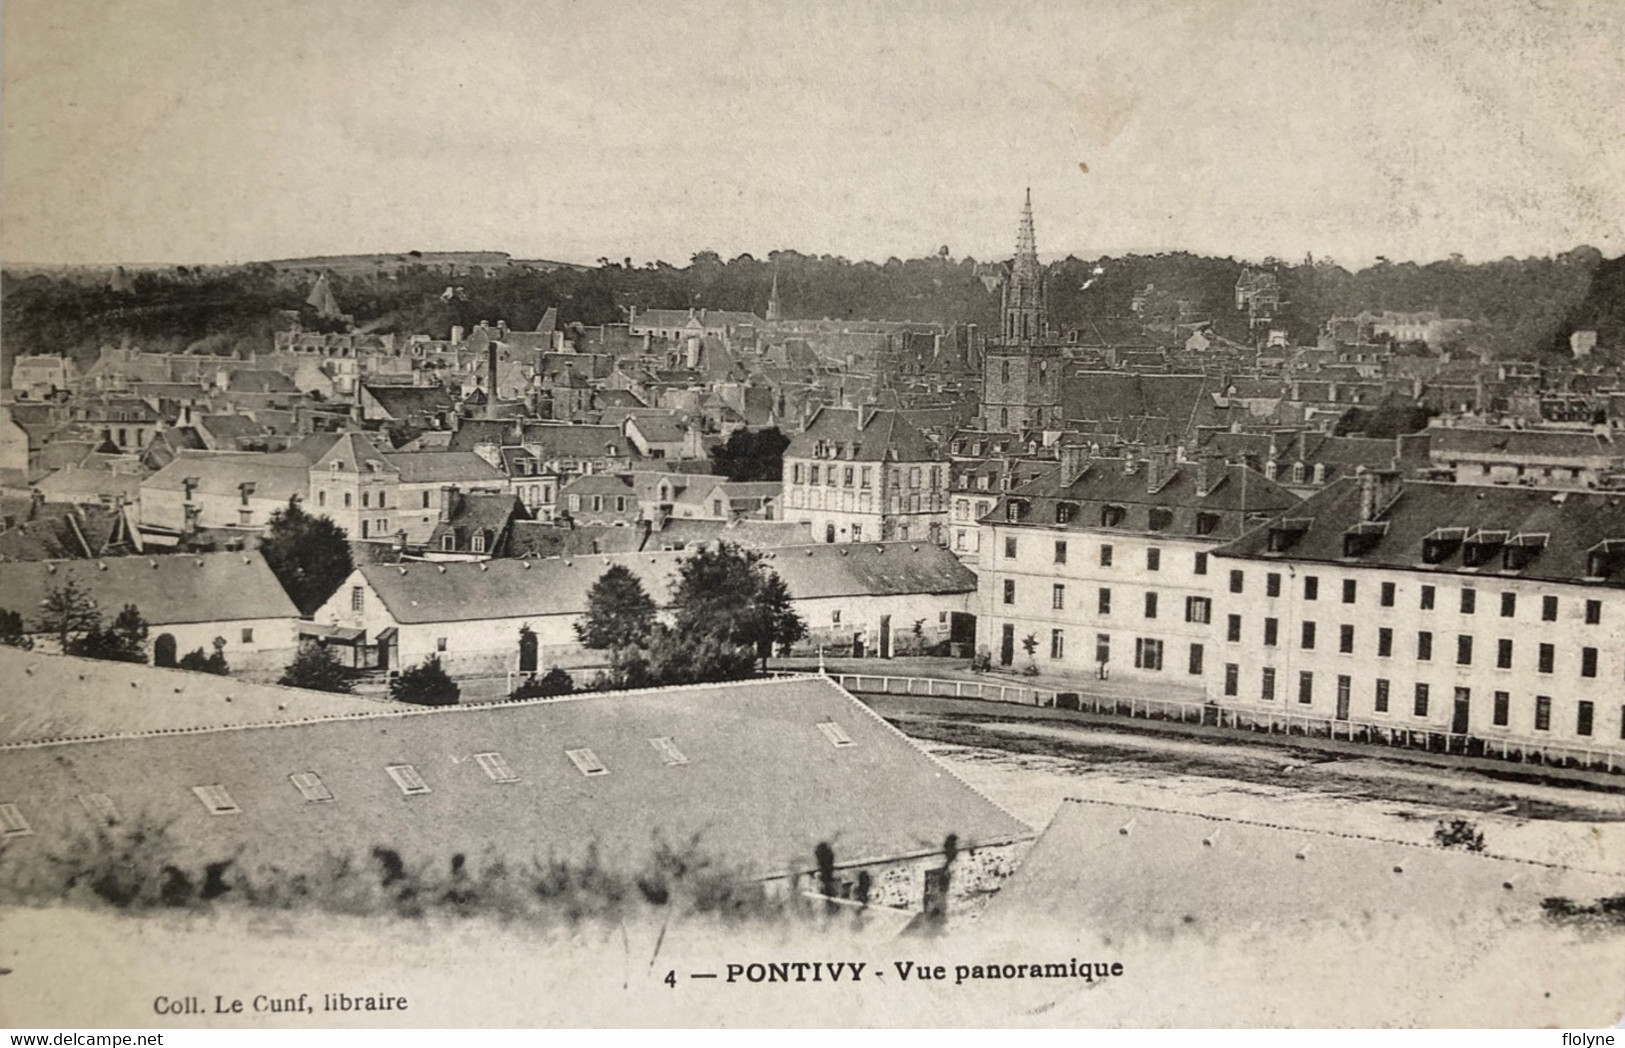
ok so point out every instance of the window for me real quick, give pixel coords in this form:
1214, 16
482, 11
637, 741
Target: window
1057, 644
1345, 639
812, 474
12, 823
1198, 609
1106, 556
1196, 660
795, 475
846, 477
1104, 601
479, 542
1345, 684
495, 767
1502, 708
1009, 547
216, 800
586, 762
1267, 684
1308, 639
346, 500
1232, 678
836, 734
1200, 567
1543, 713
311, 787
248, 634
1009, 591
440, 644
1380, 702
448, 542
366, 500
1232, 629
1593, 612
1547, 657
321, 497
1348, 591
1057, 596
1420, 707
1206, 524
1503, 654
1272, 584
835, 617
1464, 650
1153, 559
1150, 605
1271, 632
408, 779
1103, 647
667, 748
1159, 518
1311, 587
1427, 598
1509, 605
1548, 609
1060, 551
1385, 642
1588, 662
1386, 595
1235, 580
1147, 653
99, 806
358, 597
1583, 717
1469, 600
1424, 646
1112, 516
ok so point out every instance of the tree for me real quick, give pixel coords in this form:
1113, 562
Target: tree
13, 633
620, 612
309, 555
124, 641
751, 455
726, 606
318, 669
426, 684
214, 662
68, 613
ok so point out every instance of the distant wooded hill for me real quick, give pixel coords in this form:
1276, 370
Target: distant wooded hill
1520, 306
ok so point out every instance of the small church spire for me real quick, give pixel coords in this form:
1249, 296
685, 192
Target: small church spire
773, 311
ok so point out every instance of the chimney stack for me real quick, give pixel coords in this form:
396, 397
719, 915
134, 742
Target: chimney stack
448, 502
1159, 467
1378, 489
1207, 473
1074, 460
491, 380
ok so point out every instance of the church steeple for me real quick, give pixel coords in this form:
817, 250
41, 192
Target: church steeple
1024, 289
773, 312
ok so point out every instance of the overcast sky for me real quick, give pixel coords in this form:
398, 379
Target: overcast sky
231, 130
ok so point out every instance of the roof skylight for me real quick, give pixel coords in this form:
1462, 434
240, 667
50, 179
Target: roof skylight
216, 799
836, 734
667, 748
12, 823
408, 779
494, 766
311, 786
587, 762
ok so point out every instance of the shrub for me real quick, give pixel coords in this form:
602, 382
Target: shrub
426, 684
1458, 833
316, 668
554, 682
214, 662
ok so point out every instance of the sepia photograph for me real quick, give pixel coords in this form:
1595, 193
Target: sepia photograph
874, 514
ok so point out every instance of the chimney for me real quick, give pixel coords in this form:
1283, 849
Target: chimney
1074, 460
1159, 467
189, 485
457, 334
36, 499
491, 380
1378, 490
448, 502
1208, 472
502, 330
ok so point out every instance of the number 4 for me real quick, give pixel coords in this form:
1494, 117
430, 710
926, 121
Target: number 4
671, 979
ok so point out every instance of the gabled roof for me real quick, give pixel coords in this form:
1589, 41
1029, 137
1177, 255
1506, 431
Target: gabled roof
447, 467
277, 475
352, 453
866, 435
406, 401
760, 785
1531, 443
170, 589
58, 697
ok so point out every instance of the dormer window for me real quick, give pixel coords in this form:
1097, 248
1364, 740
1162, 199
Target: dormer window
1112, 516
1065, 512
1160, 518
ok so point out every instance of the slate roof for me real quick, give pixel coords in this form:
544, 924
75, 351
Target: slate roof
1521, 443
1096, 395
1235, 495
1572, 522
880, 798
537, 539
752, 534
407, 401
278, 475
443, 467
169, 589
58, 697
887, 436
1119, 869
507, 589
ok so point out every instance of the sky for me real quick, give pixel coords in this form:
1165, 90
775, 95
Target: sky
187, 131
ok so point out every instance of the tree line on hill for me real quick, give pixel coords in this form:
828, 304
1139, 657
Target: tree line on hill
1519, 306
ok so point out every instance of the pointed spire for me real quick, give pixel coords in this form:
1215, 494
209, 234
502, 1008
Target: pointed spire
773, 298
321, 298
1026, 240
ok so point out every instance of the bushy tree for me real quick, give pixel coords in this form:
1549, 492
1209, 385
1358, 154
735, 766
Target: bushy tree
620, 612
68, 613
426, 684
124, 641
13, 633
317, 668
728, 609
214, 662
555, 681
309, 555
751, 454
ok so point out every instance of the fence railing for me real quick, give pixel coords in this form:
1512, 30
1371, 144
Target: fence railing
1270, 722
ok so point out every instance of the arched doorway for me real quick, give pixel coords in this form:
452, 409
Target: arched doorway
163, 650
